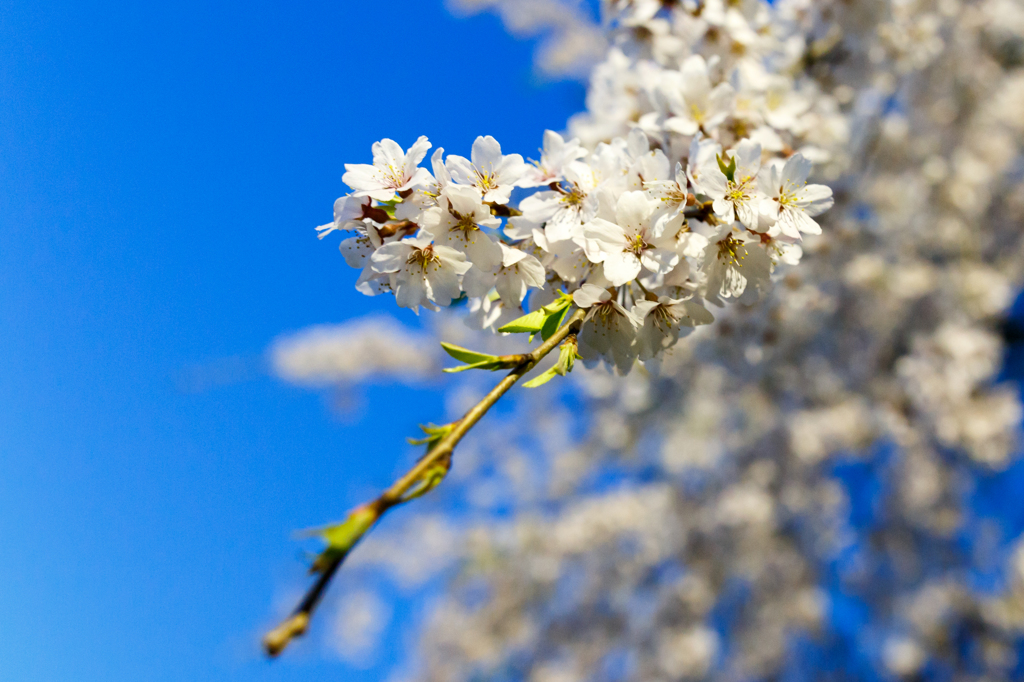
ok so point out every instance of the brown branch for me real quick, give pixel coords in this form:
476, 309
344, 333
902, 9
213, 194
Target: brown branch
327, 563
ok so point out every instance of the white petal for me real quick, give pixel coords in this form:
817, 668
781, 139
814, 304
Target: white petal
815, 199
476, 282
411, 290
390, 257
621, 267
486, 153
357, 251
796, 170
590, 294
416, 153
659, 261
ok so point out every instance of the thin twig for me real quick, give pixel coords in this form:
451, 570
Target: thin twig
295, 625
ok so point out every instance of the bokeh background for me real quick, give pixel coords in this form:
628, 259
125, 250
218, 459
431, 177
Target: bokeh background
161, 173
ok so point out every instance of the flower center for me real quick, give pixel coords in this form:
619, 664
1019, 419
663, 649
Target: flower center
392, 178
663, 317
637, 244
729, 251
422, 257
486, 180
466, 223
574, 197
787, 195
738, 192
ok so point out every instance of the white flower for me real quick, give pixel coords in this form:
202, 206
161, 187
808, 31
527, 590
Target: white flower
734, 268
783, 105
692, 100
349, 213
357, 250
493, 174
553, 157
518, 272
422, 271
669, 195
609, 330
680, 235
791, 201
456, 223
664, 320
426, 196
736, 199
562, 212
703, 151
628, 243
566, 259
392, 171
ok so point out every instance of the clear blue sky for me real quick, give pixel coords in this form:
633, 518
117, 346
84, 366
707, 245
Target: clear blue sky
161, 171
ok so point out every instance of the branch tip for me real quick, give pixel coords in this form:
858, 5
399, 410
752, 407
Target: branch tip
278, 639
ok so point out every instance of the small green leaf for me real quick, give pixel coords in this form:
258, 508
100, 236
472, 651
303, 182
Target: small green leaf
464, 354
430, 479
492, 364
434, 434
342, 537
567, 355
543, 378
553, 322
346, 534
537, 320
729, 171
531, 322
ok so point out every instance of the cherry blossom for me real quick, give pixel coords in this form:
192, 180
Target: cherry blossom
393, 171
629, 243
421, 272
790, 200
489, 171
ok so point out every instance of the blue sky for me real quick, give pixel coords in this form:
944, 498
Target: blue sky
161, 171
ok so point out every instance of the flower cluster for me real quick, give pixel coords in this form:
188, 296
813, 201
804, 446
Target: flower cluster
640, 236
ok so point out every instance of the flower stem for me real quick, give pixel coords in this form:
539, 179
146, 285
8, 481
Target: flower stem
296, 624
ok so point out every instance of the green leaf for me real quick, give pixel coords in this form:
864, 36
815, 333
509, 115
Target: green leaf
430, 479
492, 364
464, 354
342, 537
553, 322
434, 434
543, 378
567, 355
729, 171
531, 322
346, 534
537, 320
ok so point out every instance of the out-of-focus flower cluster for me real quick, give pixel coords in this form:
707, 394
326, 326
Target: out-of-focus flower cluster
795, 494
378, 347
573, 42
700, 199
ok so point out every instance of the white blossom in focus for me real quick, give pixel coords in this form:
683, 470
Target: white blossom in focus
489, 171
790, 200
421, 272
392, 171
